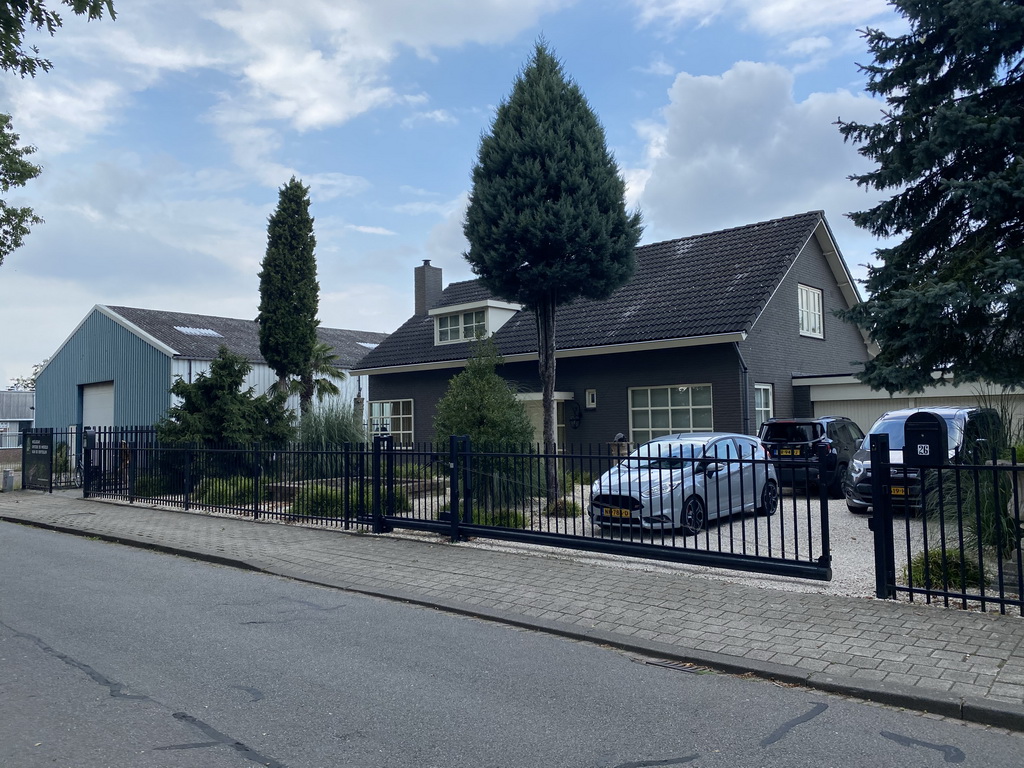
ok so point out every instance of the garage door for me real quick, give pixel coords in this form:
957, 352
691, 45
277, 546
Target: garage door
98, 405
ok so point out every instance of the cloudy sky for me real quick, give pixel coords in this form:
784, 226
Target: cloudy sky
165, 136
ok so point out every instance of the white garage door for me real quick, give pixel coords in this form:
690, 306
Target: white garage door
98, 405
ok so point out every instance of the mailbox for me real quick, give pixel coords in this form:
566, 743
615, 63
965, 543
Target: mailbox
924, 440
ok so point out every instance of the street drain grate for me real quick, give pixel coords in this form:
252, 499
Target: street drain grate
681, 666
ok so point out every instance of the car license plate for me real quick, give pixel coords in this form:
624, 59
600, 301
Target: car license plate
898, 490
617, 512
788, 452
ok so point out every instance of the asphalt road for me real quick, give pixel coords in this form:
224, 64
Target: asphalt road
114, 656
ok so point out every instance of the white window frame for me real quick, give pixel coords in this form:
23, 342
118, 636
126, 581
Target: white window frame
761, 412
812, 311
383, 420
642, 418
460, 326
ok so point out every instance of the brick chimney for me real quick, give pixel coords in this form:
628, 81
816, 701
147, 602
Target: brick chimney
428, 287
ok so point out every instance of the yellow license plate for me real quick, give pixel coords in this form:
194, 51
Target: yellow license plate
616, 512
788, 452
898, 490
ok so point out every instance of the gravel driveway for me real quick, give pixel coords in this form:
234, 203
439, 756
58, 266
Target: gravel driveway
853, 564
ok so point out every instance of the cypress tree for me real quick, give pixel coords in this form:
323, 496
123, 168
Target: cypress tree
289, 291
949, 296
547, 221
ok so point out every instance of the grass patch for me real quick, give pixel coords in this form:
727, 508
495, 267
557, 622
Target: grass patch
944, 571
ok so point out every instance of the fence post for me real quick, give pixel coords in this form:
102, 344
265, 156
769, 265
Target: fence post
456, 444
823, 494
88, 446
880, 521
188, 477
467, 479
381, 443
257, 456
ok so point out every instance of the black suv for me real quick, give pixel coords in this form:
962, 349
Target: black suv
967, 429
797, 445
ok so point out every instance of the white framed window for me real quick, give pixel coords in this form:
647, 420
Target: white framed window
764, 403
461, 326
392, 417
812, 315
658, 411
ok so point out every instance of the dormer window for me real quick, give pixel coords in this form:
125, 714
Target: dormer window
461, 326
465, 322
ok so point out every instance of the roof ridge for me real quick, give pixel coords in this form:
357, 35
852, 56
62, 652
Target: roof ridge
717, 232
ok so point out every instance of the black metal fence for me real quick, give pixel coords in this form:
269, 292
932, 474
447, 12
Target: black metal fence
716, 511
950, 533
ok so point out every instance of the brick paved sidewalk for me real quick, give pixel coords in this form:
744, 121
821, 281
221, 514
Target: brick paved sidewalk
951, 662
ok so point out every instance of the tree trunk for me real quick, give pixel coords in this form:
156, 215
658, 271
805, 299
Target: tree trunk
306, 393
546, 365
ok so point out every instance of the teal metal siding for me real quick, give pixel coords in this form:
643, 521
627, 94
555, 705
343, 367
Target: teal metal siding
101, 350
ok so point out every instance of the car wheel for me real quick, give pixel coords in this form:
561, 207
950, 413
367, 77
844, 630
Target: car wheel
837, 488
769, 498
695, 515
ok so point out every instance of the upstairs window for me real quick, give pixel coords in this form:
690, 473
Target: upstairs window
461, 326
764, 405
812, 318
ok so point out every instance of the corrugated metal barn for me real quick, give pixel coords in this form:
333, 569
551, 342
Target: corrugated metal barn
117, 366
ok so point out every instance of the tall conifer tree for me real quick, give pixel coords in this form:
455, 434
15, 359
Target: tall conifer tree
547, 221
289, 291
950, 296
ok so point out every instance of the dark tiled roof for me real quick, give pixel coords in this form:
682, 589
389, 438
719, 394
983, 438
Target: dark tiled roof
240, 336
703, 285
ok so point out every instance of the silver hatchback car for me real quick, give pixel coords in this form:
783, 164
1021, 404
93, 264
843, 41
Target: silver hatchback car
685, 480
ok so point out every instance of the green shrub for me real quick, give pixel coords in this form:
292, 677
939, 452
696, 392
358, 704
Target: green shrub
234, 491
61, 459
150, 486
319, 501
500, 518
944, 571
563, 508
324, 500
980, 502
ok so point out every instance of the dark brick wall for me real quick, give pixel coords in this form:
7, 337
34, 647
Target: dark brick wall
611, 375
775, 351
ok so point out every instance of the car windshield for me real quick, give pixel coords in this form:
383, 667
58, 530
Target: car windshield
790, 432
678, 454
894, 429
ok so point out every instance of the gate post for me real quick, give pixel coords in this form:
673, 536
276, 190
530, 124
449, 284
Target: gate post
88, 446
458, 452
382, 444
826, 537
880, 522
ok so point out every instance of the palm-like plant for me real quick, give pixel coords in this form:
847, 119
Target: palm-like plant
318, 380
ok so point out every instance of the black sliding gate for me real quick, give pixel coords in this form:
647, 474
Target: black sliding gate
460, 491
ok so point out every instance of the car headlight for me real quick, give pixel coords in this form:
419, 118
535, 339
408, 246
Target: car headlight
659, 489
858, 467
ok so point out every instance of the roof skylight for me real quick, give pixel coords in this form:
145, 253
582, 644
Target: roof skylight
197, 331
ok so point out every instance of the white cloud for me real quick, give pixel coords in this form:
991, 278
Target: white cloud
773, 17
439, 116
738, 148
57, 117
369, 230
807, 46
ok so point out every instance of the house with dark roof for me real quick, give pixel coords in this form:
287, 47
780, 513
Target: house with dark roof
116, 368
709, 334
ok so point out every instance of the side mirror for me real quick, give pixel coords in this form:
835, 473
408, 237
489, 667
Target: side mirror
711, 469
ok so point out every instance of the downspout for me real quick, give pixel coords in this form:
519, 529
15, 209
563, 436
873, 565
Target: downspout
745, 388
